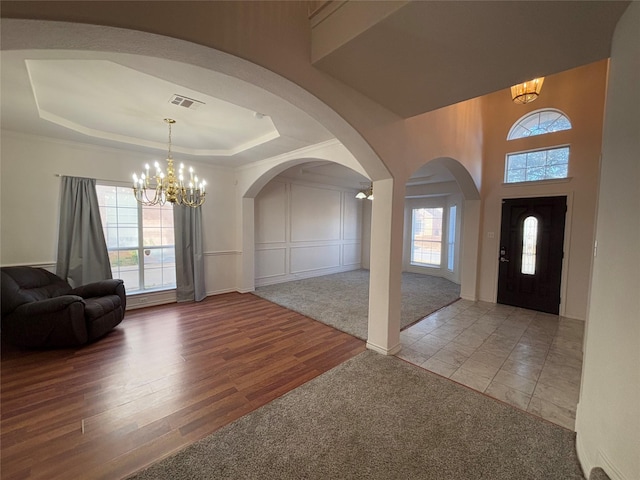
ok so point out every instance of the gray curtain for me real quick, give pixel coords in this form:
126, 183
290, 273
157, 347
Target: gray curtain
82, 250
187, 224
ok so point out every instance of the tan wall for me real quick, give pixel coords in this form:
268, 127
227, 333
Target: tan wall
580, 94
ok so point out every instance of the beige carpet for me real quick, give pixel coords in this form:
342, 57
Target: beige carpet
342, 299
377, 417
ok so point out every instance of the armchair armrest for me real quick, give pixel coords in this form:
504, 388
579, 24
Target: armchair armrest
54, 322
49, 305
98, 289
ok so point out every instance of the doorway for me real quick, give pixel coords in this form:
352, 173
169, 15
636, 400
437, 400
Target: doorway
531, 252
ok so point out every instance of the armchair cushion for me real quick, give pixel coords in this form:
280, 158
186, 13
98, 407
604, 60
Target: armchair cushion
39, 309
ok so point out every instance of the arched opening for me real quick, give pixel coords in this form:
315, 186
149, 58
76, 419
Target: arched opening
308, 228
308, 223
444, 188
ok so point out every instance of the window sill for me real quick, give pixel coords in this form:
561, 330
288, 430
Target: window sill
424, 265
138, 293
149, 298
538, 182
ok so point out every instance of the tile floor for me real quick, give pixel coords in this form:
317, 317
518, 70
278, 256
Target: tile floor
531, 360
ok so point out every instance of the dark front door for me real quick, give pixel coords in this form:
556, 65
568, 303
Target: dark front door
531, 251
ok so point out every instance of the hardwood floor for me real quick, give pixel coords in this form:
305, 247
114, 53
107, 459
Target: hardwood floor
166, 377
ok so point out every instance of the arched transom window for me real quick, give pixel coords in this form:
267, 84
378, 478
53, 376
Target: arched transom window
543, 164
539, 123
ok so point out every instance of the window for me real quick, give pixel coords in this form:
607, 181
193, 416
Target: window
537, 165
451, 238
529, 245
140, 240
539, 123
426, 236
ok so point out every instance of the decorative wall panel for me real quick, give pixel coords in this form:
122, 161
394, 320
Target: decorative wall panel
270, 214
305, 230
270, 262
305, 259
315, 213
351, 254
352, 218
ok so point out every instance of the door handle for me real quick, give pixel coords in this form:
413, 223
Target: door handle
502, 259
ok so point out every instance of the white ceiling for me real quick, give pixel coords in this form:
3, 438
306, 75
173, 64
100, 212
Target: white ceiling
121, 101
103, 99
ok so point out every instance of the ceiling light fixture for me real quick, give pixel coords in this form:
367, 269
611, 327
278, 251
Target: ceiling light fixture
169, 188
365, 193
527, 92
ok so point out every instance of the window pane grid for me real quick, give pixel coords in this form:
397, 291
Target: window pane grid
538, 165
426, 236
139, 239
539, 123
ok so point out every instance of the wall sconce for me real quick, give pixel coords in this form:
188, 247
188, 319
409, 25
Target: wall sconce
365, 193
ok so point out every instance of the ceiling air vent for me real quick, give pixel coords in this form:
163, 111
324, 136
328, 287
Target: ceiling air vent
186, 102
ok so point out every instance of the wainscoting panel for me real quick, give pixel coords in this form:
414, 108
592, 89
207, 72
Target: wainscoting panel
270, 214
352, 218
305, 230
315, 213
305, 259
351, 254
271, 262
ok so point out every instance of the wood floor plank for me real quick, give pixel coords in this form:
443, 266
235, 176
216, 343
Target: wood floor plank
166, 377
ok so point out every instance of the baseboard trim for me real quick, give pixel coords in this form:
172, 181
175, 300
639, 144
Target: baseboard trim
223, 290
291, 277
587, 463
384, 351
609, 468
471, 298
583, 457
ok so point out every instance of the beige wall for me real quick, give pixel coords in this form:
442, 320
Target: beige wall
608, 415
579, 93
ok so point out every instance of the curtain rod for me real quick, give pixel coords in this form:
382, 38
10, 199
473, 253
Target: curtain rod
96, 179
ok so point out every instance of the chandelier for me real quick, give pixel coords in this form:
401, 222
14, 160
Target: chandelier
365, 193
168, 188
527, 92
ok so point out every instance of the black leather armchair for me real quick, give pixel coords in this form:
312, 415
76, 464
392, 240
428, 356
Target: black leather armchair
40, 309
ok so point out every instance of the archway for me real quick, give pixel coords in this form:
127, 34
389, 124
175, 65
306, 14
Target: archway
252, 180
447, 179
